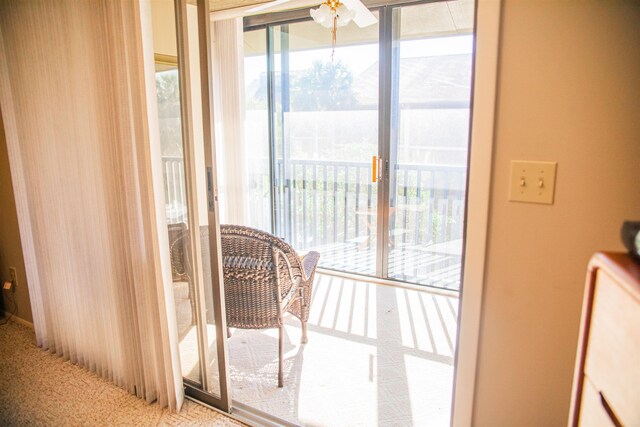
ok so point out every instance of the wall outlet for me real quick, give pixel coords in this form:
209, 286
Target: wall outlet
14, 276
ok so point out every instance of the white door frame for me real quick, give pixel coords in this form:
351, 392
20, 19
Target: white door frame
487, 31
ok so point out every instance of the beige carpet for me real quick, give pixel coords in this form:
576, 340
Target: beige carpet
40, 389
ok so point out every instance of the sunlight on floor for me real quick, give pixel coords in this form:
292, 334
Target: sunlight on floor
376, 355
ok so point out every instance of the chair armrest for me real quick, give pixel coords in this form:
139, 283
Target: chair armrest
310, 262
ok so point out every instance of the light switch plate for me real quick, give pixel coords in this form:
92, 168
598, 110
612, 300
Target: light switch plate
532, 182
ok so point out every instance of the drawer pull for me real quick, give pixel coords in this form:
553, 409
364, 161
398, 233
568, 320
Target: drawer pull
614, 419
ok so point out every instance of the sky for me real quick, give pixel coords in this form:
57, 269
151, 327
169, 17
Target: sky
359, 58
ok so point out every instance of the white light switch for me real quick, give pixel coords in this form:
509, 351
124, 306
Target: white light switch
532, 182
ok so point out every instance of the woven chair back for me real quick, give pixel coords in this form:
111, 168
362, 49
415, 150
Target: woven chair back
255, 266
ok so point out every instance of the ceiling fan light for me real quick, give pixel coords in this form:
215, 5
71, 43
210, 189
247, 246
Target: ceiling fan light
327, 22
344, 15
321, 14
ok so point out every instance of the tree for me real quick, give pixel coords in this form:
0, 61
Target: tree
168, 93
324, 86
168, 96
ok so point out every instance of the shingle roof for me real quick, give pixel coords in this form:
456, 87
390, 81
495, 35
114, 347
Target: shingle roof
423, 80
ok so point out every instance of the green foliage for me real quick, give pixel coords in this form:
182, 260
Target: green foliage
325, 86
168, 96
168, 93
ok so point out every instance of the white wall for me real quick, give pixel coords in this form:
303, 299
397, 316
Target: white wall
568, 91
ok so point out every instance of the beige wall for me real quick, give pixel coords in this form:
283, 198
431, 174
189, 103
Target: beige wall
569, 91
164, 27
10, 247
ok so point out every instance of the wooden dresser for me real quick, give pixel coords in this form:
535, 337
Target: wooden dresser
606, 383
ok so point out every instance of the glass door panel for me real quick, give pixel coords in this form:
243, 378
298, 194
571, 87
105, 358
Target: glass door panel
324, 135
256, 130
194, 54
322, 115
178, 220
186, 156
430, 105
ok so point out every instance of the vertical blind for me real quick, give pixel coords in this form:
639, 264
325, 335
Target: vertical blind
76, 104
228, 82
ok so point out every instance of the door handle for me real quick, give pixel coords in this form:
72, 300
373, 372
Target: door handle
376, 169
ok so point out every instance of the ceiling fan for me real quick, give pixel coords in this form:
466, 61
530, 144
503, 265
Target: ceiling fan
338, 13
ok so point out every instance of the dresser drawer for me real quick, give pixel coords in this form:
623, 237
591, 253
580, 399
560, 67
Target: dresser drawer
592, 411
613, 351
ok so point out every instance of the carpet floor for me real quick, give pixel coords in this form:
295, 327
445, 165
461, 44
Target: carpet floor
38, 388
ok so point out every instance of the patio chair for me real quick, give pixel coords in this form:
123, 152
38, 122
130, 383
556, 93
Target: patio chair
180, 261
178, 234
263, 279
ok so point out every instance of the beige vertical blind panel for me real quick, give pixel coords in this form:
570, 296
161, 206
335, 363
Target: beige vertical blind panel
228, 76
74, 103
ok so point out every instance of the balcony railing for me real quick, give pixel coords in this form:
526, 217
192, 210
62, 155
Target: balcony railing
174, 189
331, 206
324, 202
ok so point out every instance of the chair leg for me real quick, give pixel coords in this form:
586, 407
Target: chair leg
192, 301
228, 332
280, 353
304, 339
304, 313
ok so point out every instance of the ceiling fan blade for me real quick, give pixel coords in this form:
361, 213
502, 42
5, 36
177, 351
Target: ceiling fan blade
363, 16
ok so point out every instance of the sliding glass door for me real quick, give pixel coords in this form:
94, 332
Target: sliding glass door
357, 151
368, 143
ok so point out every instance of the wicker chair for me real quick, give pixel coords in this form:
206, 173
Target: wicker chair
263, 279
180, 261
178, 242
